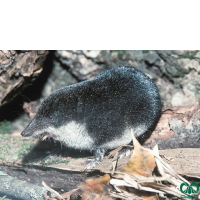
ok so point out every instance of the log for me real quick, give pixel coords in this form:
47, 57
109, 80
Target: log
18, 69
178, 127
17, 189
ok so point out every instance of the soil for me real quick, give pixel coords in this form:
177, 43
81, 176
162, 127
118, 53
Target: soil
63, 170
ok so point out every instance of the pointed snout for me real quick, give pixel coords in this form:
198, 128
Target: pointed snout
29, 130
25, 133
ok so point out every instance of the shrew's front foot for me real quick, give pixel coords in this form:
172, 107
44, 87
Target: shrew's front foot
98, 157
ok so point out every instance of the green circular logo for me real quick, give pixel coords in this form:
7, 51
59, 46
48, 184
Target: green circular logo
188, 189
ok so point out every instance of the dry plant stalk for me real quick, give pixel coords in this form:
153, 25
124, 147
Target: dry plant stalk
166, 183
51, 190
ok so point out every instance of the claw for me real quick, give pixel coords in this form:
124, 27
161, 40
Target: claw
98, 157
92, 164
124, 152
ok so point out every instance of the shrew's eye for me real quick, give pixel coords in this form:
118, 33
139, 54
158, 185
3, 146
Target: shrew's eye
51, 117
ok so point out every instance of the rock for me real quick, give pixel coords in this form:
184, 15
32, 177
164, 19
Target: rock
80, 63
182, 68
58, 78
152, 57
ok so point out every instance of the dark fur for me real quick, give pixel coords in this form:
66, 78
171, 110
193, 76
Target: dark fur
115, 100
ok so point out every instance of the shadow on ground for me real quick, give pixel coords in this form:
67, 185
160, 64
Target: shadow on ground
45, 149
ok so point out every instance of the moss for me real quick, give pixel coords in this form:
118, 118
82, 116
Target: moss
2, 158
49, 161
13, 149
145, 51
105, 66
181, 73
24, 150
189, 55
120, 53
5, 127
4, 138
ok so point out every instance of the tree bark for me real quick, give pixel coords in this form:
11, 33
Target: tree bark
17, 189
178, 127
17, 70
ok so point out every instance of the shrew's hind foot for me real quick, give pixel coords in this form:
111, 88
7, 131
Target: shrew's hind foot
98, 157
124, 152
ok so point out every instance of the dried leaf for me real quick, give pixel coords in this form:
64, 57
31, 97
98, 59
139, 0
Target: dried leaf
147, 196
142, 162
162, 185
67, 195
96, 188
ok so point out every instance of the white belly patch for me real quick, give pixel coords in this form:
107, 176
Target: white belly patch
123, 140
73, 135
126, 138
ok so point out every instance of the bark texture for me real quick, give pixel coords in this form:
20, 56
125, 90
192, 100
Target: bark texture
17, 70
17, 189
178, 127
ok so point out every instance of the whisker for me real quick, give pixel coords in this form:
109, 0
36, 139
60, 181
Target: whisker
24, 97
